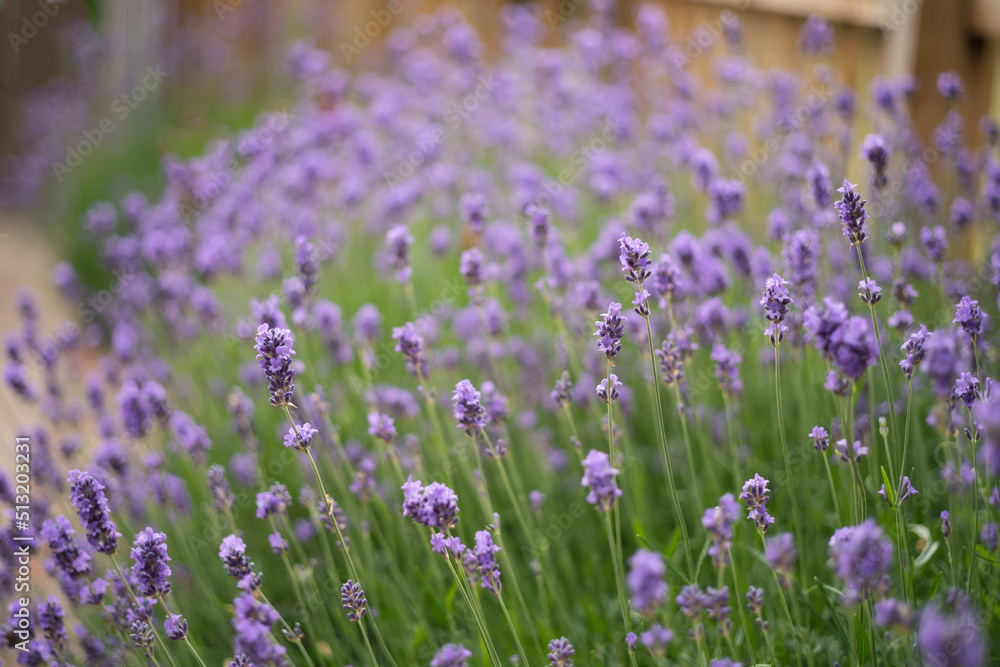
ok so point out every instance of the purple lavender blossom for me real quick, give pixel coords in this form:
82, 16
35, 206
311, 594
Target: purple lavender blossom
610, 331
274, 354
875, 149
599, 477
820, 185
252, 621
602, 389
382, 426
852, 212
468, 409
755, 495
410, 344
853, 347
353, 599
398, 239
645, 581
434, 505
775, 300
727, 369
67, 555
718, 521
816, 36
486, 565
914, 348
935, 242
861, 557
820, 438
560, 653
950, 86
781, 556
300, 437
869, 291
87, 496
950, 640
451, 655
175, 627
969, 316
150, 571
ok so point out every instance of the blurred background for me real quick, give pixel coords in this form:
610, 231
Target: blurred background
166, 76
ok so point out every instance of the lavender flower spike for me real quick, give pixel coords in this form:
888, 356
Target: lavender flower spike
353, 599
150, 570
468, 409
451, 655
610, 331
87, 496
274, 355
486, 564
560, 653
410, 344
969, 316
599, 477
852, 213
755, 496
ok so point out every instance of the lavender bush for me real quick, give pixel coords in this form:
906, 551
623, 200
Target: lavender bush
804, 369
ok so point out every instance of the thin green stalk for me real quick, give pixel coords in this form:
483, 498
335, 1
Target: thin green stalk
619, 582
368, 644
513, 630
135, 601
784, 453
784, 604
833, 490
743, 616
187, 640
663, 446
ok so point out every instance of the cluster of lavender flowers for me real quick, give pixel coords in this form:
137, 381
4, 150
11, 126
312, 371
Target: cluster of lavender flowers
492, 262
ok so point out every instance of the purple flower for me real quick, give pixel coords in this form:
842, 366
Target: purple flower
967, 389
486, 564
875, 149
818, 177
150, 571
950, 86
353, 599
816, 36
821, 321
656, 639
440, 544
16, 377
935, 242
853, 347
253, 620
474, 210
775, 299
599, 477
274, 355
718, 521
279, 544
232, 551
218, 486
727, 369
869, 291
781, 556
602, 389
87, 496
175, 626
969, 316
820, 438
470, 266
950, 641
945, 525
451, 655
142, 636
305, 262
273, 502
434, 505
645, 581
399, 240
410, 344
755, 495
852, 212
382, 426
560, 653
861, 557
300, 438
726, 198
610, 331
914, 348
468, 409
563, 391
67, 555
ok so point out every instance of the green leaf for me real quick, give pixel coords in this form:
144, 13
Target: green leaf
926, 555
889, 494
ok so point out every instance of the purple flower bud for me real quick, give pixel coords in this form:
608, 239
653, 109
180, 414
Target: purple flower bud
645, 581
468, 409
852, 212
560, 653
969, 316
599, 477
610, 331
353, 599
755, 495
451, 655
87, 496
150, 571
434, 505
861, 557
274, 354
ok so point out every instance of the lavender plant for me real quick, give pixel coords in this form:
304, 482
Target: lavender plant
241, 404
